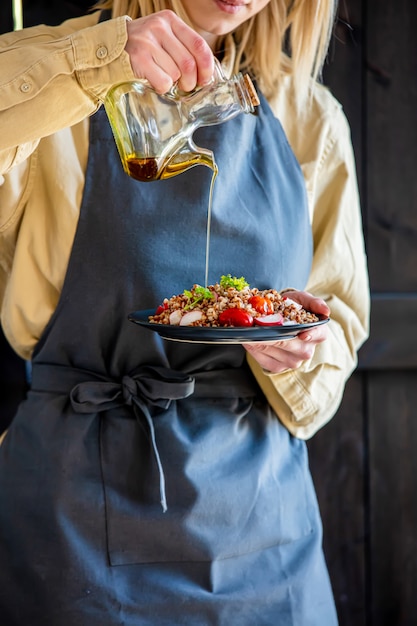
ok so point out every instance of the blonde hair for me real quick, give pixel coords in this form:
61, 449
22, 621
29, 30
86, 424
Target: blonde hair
286, 36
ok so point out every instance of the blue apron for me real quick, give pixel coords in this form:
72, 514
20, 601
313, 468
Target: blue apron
147, 482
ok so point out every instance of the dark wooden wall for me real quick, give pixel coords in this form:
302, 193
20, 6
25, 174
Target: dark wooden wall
364, 462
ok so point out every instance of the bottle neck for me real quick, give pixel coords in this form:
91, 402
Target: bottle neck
244, 86
219, 101
246, 92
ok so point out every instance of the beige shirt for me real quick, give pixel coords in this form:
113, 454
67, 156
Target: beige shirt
51, 80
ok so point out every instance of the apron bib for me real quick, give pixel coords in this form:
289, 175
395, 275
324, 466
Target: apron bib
152, 483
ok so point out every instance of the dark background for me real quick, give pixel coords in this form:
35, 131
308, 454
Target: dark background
364, 462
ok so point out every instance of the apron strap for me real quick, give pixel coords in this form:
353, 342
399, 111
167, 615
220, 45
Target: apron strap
152, 381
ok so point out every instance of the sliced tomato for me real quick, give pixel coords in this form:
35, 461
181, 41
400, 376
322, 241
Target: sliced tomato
276, 319
261, 305
161, 308
235, 317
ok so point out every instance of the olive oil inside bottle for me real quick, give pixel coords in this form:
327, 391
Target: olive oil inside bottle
151, 168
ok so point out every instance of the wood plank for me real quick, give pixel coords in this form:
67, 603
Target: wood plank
393, 338
337, 466
337, 452
6, 16
343, 72
393, 484
391, 145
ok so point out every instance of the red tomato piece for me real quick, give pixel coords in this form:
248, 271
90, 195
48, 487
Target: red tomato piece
235, 317
161, 309
261, 305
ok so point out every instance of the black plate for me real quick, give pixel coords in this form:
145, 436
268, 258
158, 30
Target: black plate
202, 334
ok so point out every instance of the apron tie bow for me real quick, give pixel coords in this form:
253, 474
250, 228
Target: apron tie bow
158, 386
150, 386
128, 389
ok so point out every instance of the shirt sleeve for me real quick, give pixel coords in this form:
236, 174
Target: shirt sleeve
54, 77
307, 398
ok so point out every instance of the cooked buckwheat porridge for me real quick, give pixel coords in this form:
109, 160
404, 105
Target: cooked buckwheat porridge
230, 303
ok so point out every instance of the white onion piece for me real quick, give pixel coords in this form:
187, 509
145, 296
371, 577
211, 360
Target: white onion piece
175, 317
274, 319
190, 317
288, 301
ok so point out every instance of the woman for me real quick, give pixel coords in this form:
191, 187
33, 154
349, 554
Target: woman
117, 418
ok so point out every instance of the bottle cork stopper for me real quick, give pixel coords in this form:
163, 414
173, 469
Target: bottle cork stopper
251, 90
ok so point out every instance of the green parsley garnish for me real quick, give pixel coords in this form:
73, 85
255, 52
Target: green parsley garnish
236, 283
197, 295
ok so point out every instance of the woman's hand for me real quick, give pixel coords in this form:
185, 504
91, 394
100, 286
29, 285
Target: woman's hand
289, 354
164, 50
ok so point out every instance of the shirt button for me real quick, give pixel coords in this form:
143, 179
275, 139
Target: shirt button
101, 52
25, 87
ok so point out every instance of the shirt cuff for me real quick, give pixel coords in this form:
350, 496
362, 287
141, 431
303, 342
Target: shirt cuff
305, 399
100, 57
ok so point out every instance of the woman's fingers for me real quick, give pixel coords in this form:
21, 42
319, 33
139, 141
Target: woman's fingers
201, 60
309, 302
164, 50
272, 360
284, 355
